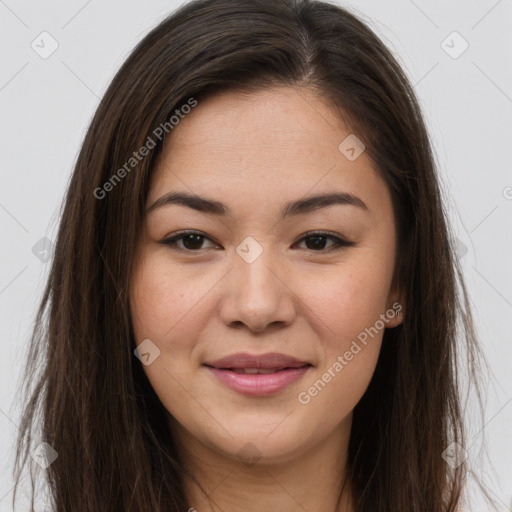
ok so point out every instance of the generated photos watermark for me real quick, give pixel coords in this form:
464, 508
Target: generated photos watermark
305, 397
157, 134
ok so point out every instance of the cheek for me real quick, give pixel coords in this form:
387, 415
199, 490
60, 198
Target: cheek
167, 308
348, 308
163, 299
172, 307
350, 298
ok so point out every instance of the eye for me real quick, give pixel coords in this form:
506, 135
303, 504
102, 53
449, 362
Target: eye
192, 241
317, 241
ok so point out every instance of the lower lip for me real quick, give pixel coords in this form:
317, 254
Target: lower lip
259, 384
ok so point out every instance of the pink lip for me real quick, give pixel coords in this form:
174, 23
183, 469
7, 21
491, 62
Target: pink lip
288, 370
269, 360
256, 384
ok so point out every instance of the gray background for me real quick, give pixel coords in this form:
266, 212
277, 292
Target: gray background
47, 103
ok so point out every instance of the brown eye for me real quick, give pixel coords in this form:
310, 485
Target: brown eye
190, 241
317, 242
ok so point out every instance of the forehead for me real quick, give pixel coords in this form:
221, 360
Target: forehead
273, 119
278, 141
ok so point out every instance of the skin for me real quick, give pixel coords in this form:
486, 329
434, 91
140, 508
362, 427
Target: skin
254, 152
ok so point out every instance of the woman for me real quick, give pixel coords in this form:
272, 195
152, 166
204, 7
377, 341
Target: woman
253, 302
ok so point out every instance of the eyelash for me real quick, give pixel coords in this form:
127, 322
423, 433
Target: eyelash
338, 241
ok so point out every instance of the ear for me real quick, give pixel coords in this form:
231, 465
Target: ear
395, 310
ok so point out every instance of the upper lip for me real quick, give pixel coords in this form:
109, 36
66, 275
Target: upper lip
269, 360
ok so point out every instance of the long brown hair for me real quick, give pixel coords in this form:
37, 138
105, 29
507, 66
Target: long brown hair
86, 394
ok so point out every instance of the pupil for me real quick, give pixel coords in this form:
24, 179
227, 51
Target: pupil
195, 239
317, 239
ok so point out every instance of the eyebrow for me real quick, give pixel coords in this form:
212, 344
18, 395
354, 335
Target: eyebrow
302, 206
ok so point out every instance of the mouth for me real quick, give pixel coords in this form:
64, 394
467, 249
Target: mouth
258, 375
273, 361
260, 371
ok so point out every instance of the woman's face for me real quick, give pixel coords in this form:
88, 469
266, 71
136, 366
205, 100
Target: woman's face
260, 280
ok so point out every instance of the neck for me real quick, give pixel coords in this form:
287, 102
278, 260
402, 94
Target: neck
313, 481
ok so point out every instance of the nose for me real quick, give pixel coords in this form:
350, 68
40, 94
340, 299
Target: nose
258, 295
